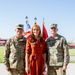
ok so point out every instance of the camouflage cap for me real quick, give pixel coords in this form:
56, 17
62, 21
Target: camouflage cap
20, 26
53, 25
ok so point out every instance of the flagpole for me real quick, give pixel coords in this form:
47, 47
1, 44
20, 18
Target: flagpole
26, 19
27, 32
43, 20
35, 20
44, 31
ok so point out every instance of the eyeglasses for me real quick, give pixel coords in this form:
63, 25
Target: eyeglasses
19, 28
53, 28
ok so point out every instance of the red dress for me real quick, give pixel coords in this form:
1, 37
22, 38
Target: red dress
35, 50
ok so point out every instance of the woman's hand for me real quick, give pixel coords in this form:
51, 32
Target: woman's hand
45, 70
27, 69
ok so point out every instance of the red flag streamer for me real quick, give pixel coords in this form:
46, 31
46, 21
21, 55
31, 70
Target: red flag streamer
44, 32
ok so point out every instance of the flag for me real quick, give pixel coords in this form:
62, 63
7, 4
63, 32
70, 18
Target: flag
44, 32
27, 33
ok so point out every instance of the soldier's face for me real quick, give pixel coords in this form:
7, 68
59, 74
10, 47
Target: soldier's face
19, 31
53, 30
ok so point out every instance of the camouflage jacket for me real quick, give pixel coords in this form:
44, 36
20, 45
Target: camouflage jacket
14, 56
57, 51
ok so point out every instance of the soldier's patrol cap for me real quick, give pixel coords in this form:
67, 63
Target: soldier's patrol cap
21, 26
53, 25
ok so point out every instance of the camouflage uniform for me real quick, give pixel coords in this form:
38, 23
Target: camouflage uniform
14, 56
57, 55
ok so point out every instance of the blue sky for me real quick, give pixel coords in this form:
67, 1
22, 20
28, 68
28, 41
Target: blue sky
62, 12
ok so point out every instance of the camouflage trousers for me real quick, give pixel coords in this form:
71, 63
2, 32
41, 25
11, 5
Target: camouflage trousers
55, 71
16, 72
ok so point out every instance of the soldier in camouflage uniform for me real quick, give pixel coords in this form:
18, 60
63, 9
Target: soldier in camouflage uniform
57, 53
14, 56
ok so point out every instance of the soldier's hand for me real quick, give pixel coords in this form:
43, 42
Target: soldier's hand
7, 68
64, 68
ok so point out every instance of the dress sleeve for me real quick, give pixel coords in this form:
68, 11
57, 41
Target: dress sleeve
28, 47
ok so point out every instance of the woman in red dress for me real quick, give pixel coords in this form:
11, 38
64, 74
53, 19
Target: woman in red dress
35, 52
